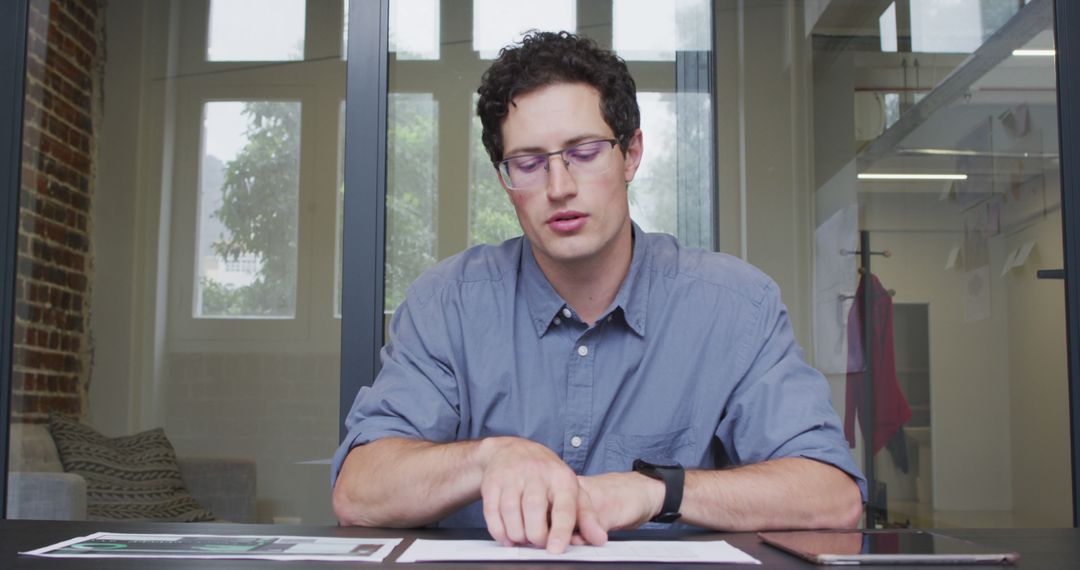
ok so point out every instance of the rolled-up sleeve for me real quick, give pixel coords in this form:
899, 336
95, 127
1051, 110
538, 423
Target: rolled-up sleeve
781, 406
415, 394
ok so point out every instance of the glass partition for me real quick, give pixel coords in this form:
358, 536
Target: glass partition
177, 263
932, 218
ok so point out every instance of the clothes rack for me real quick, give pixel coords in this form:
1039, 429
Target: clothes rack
877, 513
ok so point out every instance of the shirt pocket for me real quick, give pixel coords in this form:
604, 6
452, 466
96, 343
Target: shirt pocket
659, 448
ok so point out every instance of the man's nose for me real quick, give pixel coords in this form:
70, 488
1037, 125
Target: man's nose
561, 184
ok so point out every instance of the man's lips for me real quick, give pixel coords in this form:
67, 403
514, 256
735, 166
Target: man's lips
567, 221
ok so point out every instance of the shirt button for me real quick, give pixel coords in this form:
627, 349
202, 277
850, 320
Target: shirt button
566, 313
575, 442
558, 321
583, 350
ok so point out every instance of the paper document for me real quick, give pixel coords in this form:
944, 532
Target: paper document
718, 551
209, 546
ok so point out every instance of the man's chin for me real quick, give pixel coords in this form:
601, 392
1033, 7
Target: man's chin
573, 256
566, 252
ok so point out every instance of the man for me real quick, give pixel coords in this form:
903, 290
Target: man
588, 377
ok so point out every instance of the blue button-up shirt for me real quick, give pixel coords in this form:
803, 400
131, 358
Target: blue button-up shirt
694, 362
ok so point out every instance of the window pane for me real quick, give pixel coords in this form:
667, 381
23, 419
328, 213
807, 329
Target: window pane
955, 172
887, 29
414, 29
491, 215
248, 201
256, 30
412, 198
653, 204
645, 30
498, 23
956, 26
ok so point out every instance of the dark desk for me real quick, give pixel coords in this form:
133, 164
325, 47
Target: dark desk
1054, 548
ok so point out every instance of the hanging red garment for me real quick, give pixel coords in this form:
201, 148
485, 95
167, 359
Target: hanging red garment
891, 410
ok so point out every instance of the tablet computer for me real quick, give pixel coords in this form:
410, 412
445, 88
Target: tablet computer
884, 547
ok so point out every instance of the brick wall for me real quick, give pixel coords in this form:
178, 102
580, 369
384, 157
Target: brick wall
52, 338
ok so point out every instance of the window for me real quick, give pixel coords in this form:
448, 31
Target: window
645, 30
414, 29
653, 194
497, 23
412, 197
256, 30
491, 215
956, 26
248, 208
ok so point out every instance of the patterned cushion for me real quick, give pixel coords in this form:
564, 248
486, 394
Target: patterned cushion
134, 477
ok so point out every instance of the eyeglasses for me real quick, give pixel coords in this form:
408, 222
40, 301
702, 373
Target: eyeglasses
530, 171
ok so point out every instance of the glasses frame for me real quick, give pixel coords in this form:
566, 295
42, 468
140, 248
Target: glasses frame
504, 179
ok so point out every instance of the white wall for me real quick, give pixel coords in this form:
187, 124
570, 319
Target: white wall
113, 224
1038, 375
763, 141
270, 407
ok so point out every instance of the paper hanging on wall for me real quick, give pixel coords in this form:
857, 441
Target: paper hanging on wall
1009, 261
954, 255
977, 294
1018, 257
1023, 253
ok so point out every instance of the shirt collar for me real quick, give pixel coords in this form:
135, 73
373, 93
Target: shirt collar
633, 295
545, 303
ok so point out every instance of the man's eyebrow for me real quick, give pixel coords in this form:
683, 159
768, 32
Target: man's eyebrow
518, 151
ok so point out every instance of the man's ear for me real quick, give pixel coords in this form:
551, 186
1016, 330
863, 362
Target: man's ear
633, 156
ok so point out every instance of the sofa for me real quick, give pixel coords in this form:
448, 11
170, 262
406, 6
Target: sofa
38, 487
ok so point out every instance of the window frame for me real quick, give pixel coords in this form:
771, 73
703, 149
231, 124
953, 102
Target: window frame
1066, 32
364, 217
318, 85
13, 30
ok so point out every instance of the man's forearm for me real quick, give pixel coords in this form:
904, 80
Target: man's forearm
397, 482
778, 494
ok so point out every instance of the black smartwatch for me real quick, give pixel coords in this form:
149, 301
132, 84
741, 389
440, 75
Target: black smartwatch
673, 477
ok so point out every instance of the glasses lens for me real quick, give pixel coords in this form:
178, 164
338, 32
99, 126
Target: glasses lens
525, 171
589, 157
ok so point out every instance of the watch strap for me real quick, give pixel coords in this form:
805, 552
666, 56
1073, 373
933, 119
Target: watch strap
674, 479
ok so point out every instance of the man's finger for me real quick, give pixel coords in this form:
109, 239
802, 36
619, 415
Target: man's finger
534, 507
588, 521
510, 510
492, 516
563, 517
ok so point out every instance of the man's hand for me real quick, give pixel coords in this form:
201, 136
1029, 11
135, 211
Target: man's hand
622, 500
532, 497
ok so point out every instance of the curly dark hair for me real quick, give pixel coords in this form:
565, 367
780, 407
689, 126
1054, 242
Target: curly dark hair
549, 58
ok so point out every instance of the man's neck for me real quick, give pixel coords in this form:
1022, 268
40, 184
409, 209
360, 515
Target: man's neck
590, 285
